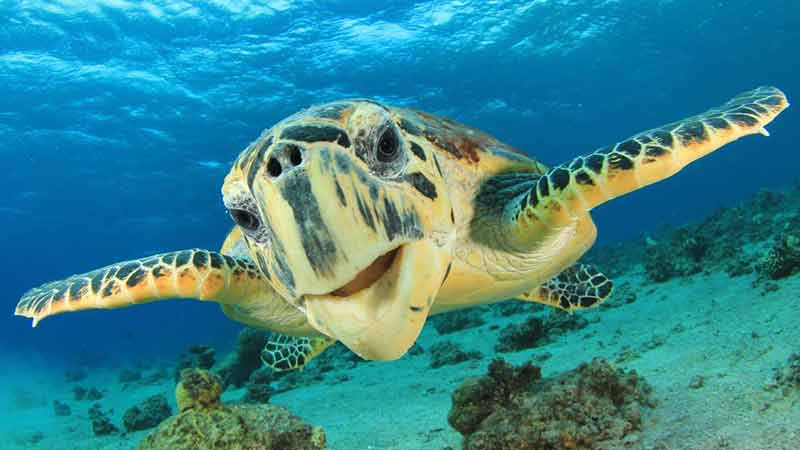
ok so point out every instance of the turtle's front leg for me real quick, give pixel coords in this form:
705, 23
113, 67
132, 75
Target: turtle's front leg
200, 274
569, 190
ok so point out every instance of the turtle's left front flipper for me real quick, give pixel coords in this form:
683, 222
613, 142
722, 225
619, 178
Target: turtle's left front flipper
569, 190
199, 274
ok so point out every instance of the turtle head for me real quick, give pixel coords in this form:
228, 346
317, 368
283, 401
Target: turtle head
350, 219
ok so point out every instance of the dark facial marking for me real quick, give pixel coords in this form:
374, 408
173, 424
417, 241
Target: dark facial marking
318, 244
409, 127
343, 163
339, 192
316, 133
396, 224
365, 212
417, 150
255, 164
422, 184
415, 308
438, 168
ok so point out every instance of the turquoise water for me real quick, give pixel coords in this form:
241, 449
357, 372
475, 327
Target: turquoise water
119, 121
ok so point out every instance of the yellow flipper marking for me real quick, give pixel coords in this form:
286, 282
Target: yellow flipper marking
200, 274
580, 286
568, 190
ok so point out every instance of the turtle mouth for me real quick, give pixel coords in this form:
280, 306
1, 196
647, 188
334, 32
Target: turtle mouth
369, 276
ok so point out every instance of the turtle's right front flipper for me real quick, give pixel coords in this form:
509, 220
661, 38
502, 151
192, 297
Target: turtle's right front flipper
199, 274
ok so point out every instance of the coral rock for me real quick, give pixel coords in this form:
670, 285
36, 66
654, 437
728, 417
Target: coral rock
148, 414
101, 424
595, 406
447, 353
198, 389
205, 424
458, 320
61, 409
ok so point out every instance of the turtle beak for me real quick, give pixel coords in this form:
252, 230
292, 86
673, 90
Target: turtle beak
382, 320
363, 256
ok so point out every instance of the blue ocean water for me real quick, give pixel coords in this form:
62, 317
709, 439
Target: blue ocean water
119, 119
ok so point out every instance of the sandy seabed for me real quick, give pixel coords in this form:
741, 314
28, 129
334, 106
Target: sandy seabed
711, 326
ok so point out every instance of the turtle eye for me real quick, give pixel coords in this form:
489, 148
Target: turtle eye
245, 219
388, 147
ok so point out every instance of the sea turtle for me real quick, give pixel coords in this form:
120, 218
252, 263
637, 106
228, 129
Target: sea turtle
355, 220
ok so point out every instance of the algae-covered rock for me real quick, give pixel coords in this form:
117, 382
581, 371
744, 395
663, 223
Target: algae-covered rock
250, 427
458, 320
101, 424
204, 423
538, 331
197, 389
148, 414
595, 406
783, 259
447, 353
478, 397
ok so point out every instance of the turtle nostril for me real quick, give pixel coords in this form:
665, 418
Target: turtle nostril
274, 168
295, 157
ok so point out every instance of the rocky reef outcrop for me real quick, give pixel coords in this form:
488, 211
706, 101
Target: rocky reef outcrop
595, 406
203, 423
148, 414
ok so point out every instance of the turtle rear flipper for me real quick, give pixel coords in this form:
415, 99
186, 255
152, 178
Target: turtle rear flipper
580, 286
569, 190
200, 274
283, 352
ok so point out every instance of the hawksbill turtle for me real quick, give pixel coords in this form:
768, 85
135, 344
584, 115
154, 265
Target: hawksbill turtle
354, 221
